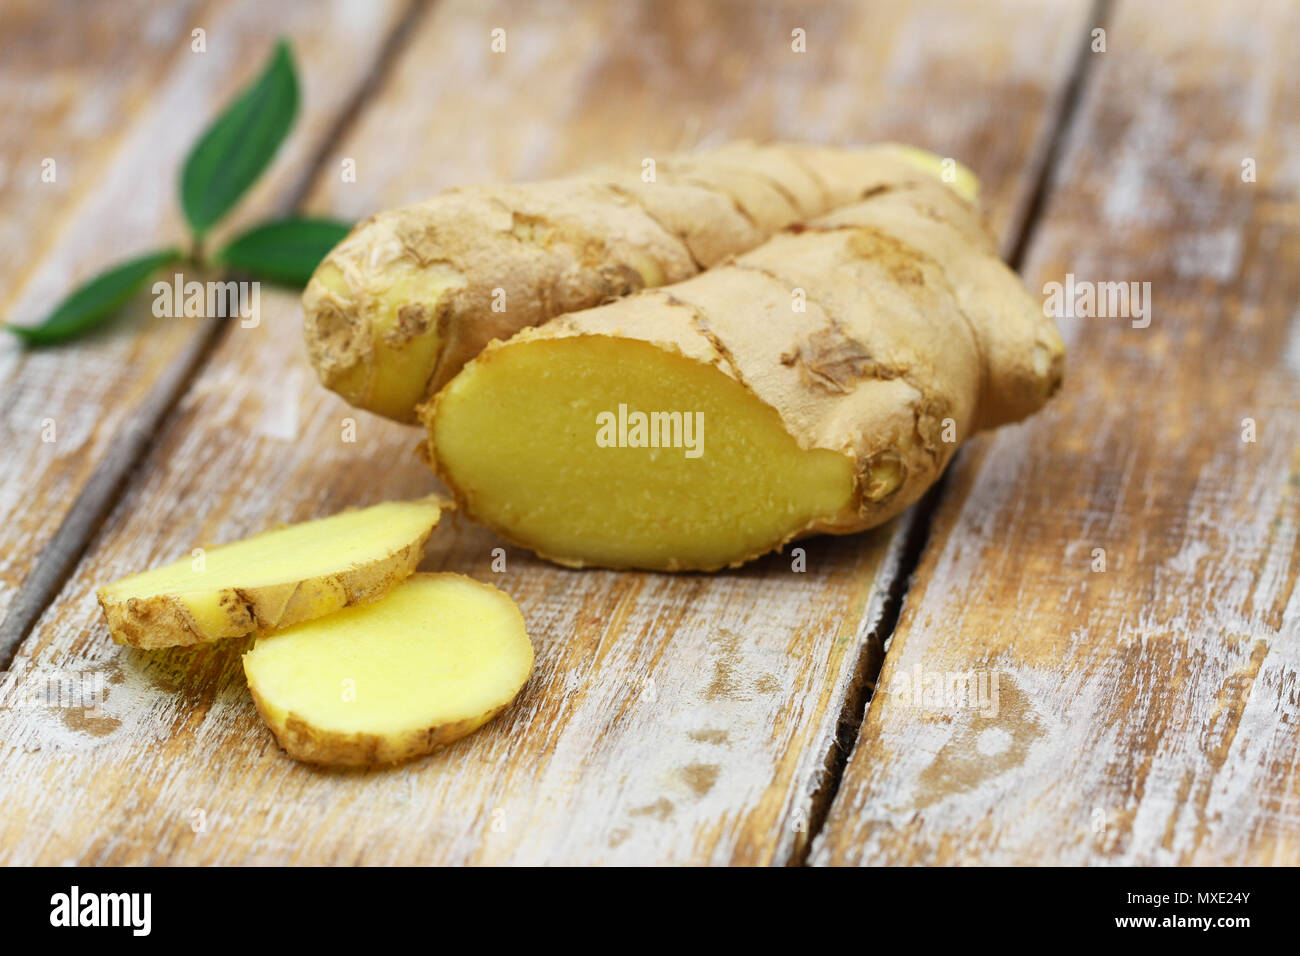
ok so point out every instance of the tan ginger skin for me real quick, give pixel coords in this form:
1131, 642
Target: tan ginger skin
412, 294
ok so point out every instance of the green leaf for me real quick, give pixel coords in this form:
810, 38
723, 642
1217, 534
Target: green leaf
239, 145
95, 301
287, 250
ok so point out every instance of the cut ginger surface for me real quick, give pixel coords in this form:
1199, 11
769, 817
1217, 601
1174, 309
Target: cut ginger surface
545, 444
434, 659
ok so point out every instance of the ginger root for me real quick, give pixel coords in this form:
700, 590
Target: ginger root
819, 383
274, 579
397, 308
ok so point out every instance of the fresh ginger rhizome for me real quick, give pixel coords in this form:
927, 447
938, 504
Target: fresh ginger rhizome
840, 317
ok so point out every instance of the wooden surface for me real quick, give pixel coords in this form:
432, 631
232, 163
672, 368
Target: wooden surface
693, 718
106, 396
1148, 713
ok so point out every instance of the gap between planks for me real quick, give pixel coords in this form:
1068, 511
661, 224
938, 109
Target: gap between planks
915, 535
102, 491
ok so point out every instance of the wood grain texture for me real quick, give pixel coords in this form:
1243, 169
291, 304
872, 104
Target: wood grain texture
1147, 713
69, 96
103, 395
670, 718
597, 83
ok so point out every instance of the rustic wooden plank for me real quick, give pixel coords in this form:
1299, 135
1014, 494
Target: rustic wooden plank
671, 718
66, 94
102, 397
1147, 713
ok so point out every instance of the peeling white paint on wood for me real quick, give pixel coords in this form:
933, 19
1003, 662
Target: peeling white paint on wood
127, 204
1149, 712
670, 718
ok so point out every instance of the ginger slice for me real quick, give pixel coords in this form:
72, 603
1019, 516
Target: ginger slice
274, 579
434, 659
